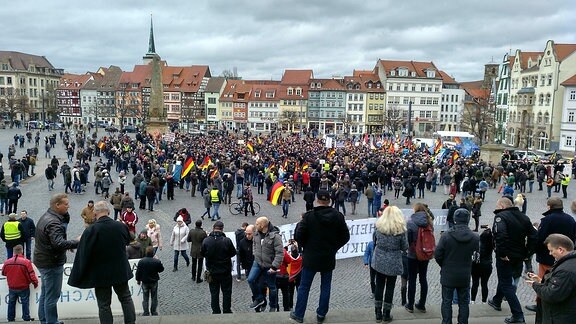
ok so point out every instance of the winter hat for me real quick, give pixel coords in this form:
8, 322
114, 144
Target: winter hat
462, 216
323, 195
179, 219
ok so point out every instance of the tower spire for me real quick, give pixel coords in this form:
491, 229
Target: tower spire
151, 47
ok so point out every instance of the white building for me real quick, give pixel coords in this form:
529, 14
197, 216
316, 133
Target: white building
502, 97
418, 83
568, 125
451, 105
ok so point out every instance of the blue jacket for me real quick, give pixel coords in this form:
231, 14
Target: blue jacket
368, 253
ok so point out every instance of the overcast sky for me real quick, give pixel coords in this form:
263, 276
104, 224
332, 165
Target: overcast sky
262, 38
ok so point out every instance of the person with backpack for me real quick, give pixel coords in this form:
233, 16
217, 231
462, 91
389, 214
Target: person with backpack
421, 244
454, 256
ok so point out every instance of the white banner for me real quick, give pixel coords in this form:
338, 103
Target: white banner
74, 302
361, 231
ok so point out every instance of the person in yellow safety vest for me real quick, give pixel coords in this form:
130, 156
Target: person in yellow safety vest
565, 182
11, 233
215, 199
327, 167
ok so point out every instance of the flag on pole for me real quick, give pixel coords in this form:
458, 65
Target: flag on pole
331, 153
177, 171
276, 192
305, 166
250, 147
101, 145
206, 163
214, 174
438, 145
259, 140
188, 165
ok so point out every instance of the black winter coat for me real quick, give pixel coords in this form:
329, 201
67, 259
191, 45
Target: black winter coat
218, 250
454, 255
554, 221
50, 241
558, 292
321, 233
514, 235
101, 258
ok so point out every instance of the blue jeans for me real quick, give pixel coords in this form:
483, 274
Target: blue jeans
269, 279
4, 205
463, 294
28, 247
150, 298
307, 276
24, 296
285, 207
370, 201
76, 186
508, 272
215, 214
184, 255
49, 294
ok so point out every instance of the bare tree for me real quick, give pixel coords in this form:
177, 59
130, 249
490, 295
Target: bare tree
289, 118
14, 104
128, 107
347, 123
393, 119
50, 108
477, 118
230, 75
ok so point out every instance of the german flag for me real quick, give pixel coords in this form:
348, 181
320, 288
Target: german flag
101, 145
250, 147
305, 166
269, 167
331, 153
206, 163
438, 146
188, 165
276, 192
214, 174
259, 140
285, 164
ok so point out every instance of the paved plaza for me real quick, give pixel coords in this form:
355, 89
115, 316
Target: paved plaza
179, 295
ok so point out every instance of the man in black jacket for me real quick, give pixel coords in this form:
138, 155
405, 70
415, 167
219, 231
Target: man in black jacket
556, 288
50, 256
218, 251
147, 276
555, 221
50, 175
515, 239
454, 256
14, 194
321, 233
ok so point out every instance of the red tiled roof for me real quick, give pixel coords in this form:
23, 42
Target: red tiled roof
472, 84
446, 78
564, 50
233, 88
296, 77
570, 82
412, 66
327, 84
74, 81
262, 87
524, 56
184, 78
511, 61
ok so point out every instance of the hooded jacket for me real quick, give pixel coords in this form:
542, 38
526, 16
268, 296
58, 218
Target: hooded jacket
268, 249
454, 252
418, 219
218, 251
555, 221
321, 233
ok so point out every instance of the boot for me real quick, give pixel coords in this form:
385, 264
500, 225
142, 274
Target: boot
378, 310
387, 308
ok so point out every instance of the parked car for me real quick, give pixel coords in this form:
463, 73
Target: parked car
56, 126
528, 155
129, 129
34, 124
111, 129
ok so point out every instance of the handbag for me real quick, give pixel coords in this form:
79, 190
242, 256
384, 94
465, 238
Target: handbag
207, 276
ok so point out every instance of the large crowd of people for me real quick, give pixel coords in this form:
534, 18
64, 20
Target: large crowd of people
217, 167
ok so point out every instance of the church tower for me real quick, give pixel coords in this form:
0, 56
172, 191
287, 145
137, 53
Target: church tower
149, 57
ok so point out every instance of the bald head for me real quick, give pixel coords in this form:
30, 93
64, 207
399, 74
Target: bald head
262, 224
249, 232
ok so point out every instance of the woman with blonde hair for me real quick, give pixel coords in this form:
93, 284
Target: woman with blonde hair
153, 230
390, 242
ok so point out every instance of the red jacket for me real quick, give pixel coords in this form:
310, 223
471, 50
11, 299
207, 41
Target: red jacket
19, 273
290, 266
305, 178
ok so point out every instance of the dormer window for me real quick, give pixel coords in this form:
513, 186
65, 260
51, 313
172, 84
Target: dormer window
257, 94
298, 91
270, 94
318, 85
312, 85
290, 91
392, 73
357, 87
413, 74
403, 72
378, 84
430, 73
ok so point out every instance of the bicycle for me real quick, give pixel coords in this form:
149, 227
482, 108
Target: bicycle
236, 208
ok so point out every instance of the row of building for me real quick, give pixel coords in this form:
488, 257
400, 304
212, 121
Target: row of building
527, 101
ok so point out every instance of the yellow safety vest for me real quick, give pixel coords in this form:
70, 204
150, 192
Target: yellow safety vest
214, 196
11, 231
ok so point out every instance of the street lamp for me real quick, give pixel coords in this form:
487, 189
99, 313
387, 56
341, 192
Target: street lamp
301, 98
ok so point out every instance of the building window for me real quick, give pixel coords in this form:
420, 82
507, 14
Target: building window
568, 140
572, 94
571, 116
298, 91
290, 91
548, 98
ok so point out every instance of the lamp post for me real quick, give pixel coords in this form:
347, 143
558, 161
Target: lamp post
43, 111
301, 98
